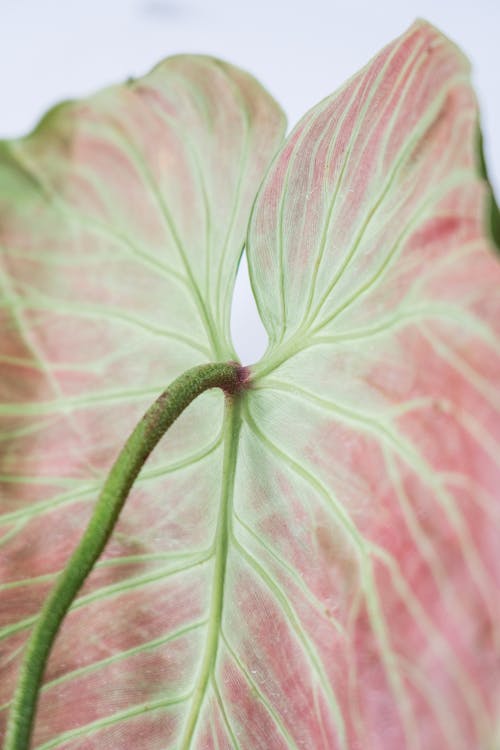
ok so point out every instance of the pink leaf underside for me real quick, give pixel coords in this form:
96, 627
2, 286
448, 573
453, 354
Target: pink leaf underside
380, 293
122, 219
360, 598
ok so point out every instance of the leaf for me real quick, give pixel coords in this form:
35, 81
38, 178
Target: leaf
380, 295
122, 219
322, 572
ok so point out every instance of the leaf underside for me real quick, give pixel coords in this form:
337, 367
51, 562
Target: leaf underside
318, 566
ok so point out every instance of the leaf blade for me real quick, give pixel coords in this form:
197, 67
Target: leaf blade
373, 270
116, 215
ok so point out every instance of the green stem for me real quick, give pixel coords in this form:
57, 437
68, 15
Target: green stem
153, 425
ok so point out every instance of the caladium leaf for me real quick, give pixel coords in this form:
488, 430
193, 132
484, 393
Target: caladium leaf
381, 297
122, 219
321, 571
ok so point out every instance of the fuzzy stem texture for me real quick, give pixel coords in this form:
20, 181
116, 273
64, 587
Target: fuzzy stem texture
164, 411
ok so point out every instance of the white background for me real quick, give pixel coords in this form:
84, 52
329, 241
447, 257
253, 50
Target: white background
301, 51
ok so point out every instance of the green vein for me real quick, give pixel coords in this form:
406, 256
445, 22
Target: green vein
418, 314
367, 578
468, 422
340, 513
389, 658
222, 299
123, 655
27, 337
459, 254
41, 507
34, 298
6, 436
34, 581
301, 636
214, 733
437, 641
89, 729
443, 187
373, 90
9, 657
275, 337
109, 563
422, 541
49, 407
12, 533
279, 241
297, 344
107, 592
221, 541
435, 698
197, 162
338, 182
471, 376
256, 691
194, 458
90, 222
117, 589
416, 462
410, 143
215, 687
296, 577
194, 154
480, 495
41, 480
144, 169
46, 256
32, 365
145, 476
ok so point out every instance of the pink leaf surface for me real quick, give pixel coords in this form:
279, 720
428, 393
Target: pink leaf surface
380, 294
321, 570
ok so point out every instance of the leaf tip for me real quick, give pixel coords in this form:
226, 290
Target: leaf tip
437, 37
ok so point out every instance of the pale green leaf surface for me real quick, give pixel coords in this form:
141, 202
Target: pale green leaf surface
122, 220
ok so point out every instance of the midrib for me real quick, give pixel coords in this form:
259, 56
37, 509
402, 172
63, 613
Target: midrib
232, 425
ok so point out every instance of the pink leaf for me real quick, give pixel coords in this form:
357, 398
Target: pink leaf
122, 219
378, 405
